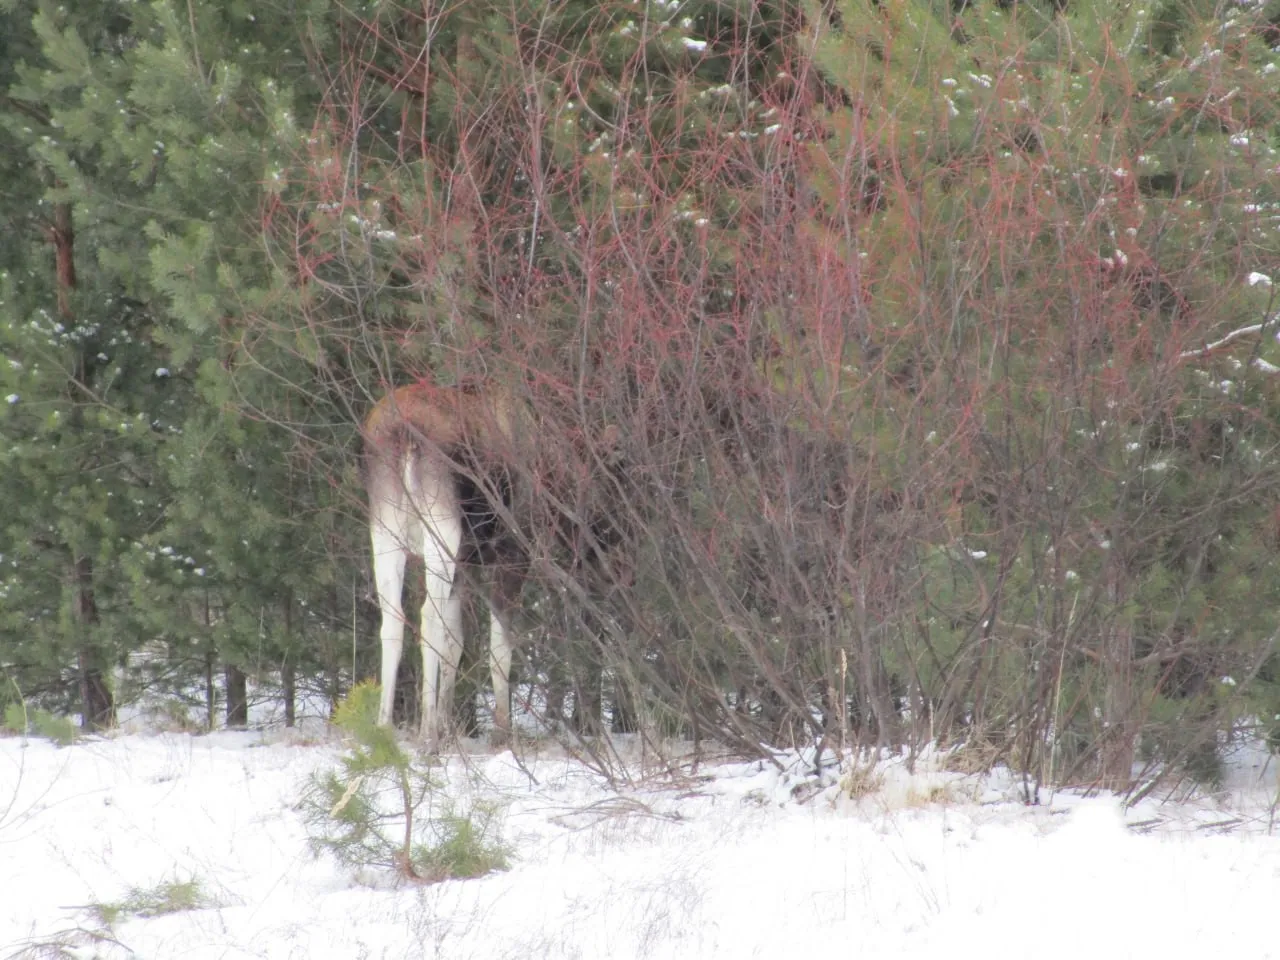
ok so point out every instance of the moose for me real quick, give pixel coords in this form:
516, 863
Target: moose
441, 470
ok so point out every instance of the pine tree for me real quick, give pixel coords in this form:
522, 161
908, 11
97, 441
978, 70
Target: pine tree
260, 517
149, 136
87, 401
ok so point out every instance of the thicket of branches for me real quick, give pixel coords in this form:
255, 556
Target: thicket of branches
905, 371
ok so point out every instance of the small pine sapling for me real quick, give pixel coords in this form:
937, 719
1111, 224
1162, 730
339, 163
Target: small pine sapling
23, 720
365, 812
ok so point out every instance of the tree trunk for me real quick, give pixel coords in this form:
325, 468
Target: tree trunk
237, 697
588, 699
557, 690
210, 693
872, 675
288, 677
63, 235
288, 680
1118, 710
1118, 703
97, 706
333, 653
626, 718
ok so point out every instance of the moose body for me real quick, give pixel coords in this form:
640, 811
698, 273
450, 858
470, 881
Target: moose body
439, 486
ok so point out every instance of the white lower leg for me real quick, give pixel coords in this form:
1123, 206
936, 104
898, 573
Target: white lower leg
388, 570
392, 646
500, 671
441, 640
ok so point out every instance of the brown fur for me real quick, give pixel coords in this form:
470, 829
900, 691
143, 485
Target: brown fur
450, 418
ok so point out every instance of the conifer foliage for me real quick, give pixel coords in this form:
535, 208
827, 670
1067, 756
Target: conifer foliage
136, 140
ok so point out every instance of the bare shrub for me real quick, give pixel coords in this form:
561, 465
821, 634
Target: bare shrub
873, 392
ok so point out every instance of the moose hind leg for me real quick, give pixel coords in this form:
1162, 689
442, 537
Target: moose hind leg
441, 635
500, 671
389, 556
503, 600
441, 641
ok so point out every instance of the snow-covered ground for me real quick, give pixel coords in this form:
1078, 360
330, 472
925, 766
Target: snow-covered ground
734, 863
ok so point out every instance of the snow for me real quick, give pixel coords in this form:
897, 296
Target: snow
738, 860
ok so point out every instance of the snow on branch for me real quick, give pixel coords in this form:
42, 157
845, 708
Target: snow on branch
1216, 345
1254, 279
1209, 348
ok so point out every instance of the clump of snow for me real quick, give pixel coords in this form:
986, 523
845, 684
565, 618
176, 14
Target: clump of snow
736, 860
